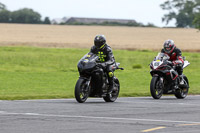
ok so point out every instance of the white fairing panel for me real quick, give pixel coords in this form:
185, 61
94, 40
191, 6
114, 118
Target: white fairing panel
186, 63
156, 64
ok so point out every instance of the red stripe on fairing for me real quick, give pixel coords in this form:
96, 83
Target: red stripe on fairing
175, 77
158, 68
174, 62
168, 73
180, 58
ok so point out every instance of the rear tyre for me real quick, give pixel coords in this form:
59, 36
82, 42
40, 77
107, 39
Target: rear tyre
155, 88
81, 90
182, 92
113, 96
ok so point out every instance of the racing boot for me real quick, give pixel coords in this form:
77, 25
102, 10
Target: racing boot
181, 80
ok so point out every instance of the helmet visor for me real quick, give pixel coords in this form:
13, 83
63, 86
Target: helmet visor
168, 48
99, 44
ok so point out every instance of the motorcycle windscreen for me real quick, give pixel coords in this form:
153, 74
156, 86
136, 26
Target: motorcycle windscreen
162, 57
89, 56
89, 66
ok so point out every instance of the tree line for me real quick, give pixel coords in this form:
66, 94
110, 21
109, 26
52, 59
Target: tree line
24, 15
185, 12
106, 23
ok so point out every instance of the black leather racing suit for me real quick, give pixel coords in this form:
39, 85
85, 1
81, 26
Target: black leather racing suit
106, 59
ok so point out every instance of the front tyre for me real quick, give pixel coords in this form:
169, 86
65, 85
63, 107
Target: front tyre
182, 92
81, 90
156, 87
113, 96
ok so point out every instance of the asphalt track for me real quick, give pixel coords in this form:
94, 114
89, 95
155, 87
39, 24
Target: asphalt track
126, 115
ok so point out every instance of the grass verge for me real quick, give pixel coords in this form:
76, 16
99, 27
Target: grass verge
43, 73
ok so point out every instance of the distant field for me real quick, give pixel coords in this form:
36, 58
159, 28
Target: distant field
82, 36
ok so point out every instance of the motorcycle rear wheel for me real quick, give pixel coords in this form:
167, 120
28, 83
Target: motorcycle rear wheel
81, 90
182, 92
113, 96
156, 91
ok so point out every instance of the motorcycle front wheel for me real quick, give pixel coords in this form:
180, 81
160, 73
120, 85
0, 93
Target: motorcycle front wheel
81, 90
155, 88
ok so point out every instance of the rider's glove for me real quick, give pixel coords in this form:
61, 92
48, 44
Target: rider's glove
174, 63
170, 63
177, 62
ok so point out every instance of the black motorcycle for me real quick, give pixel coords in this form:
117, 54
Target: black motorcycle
93, 81
165, 79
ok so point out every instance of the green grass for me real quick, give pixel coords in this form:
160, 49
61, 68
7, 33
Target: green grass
42, 73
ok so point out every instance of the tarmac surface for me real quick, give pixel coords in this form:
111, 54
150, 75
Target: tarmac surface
126, 115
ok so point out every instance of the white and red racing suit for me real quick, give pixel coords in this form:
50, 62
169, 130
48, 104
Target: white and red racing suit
177, 59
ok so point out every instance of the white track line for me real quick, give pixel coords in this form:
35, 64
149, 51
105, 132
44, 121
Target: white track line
187, 104
99, 118
120, 100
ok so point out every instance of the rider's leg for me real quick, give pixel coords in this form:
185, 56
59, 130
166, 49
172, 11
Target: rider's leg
180, 73
110, 78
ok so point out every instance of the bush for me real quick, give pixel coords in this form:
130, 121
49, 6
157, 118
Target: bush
137, 66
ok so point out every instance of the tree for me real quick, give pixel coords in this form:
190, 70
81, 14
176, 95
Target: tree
2, 6
4, 16
47, 20
25, 16
183, 11
196, 21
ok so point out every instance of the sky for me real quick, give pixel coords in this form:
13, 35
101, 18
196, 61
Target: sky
144, 11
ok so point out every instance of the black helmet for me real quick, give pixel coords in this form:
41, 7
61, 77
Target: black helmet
99, 41
169, 46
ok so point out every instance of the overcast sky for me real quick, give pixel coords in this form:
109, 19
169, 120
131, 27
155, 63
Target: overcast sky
143, 11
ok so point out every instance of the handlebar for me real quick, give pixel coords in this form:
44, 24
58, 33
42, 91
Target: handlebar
120, 68
169, 62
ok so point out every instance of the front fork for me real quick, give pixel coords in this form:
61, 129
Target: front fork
87, 84
161, 84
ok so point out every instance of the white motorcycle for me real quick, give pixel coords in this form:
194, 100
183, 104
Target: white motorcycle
165, 78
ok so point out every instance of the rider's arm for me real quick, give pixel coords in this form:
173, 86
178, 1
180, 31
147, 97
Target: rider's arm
179, 55
110, 56
93, 50
162, 51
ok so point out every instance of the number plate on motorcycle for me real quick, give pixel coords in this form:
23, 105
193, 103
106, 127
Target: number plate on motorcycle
88, 55
86, 60
156, 63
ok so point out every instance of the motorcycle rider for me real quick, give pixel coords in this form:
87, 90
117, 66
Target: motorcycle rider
175, 55
106, 58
